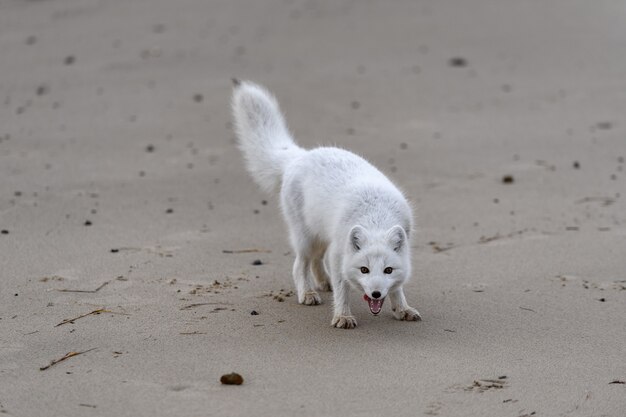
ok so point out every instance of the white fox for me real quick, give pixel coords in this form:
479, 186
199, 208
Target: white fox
348, 224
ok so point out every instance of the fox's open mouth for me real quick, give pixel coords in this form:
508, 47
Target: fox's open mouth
375, 305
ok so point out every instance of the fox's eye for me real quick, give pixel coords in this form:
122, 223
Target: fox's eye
365, 270
388, 270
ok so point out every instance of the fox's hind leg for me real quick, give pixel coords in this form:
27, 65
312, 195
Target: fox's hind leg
322, 280
305, 287
303, 244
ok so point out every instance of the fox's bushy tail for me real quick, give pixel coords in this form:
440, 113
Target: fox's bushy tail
262, 134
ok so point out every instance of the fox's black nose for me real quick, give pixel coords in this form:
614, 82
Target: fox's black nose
376, 294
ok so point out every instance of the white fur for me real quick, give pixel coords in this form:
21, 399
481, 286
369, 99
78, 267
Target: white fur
342, 213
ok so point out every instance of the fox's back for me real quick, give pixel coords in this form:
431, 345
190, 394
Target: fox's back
326, 184
332, 170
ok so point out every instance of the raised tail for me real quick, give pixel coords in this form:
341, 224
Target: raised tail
262, 134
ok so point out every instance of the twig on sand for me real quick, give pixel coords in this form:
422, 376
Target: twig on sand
67, 356
498, 236
438, 248
194, 332
606, 201
482, 385
246, 251
487, 239
87, 291
190, 306
95, 312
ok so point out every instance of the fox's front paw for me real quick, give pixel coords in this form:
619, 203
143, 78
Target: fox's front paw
344, 322
311, 298
407, 314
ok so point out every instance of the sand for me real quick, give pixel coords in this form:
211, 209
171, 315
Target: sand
118, 168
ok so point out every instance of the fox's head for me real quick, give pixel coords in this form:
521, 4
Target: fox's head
377, 262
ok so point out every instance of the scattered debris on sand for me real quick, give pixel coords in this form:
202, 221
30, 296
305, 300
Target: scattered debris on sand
51, 278
482, 385
280, 296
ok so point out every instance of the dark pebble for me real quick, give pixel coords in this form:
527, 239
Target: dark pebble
457, 62
403, 145
602, 300
114, 250
4, 232
158, 28
69, 60
576, 165
508, 179
604, 125
264, 202
257, 262
42, 90
254, 313
88, 223
169, 211
198, 98
150, 148
231, 379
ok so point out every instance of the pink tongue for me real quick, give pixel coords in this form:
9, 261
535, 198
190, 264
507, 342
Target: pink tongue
375, 305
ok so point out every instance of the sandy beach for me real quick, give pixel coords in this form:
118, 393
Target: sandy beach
140, 262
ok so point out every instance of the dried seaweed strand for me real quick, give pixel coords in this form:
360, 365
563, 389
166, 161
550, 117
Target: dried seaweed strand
98, 311
190, 306
67, 356
87, 291
246, 251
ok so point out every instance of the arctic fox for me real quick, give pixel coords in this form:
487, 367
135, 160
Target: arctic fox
348, 224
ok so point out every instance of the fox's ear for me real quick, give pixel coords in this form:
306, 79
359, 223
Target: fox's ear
357, 237
396, 238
